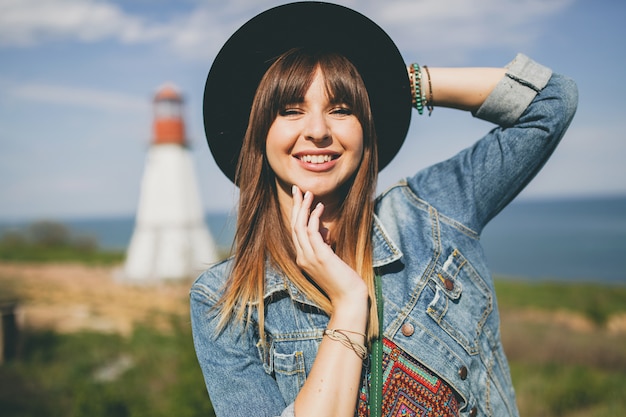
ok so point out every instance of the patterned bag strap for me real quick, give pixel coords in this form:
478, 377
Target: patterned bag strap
376, 382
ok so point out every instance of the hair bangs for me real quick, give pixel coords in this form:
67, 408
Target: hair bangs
339, 78
292, 76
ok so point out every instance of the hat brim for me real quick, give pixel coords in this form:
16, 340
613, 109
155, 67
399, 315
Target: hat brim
243, 60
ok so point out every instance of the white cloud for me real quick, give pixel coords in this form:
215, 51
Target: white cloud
452, 26
33, 22
202, 32
83, 97
438, 11
198, 35
415, 25
195, 34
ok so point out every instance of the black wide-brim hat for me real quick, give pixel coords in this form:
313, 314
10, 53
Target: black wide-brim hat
251, 50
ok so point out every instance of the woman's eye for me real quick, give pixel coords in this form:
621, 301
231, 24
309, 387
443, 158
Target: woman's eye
342, 111
290, 111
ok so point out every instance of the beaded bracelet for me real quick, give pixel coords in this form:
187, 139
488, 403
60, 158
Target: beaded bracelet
416, 74
341, 337
429, 103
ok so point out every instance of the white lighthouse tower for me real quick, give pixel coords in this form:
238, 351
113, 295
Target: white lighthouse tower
170, 240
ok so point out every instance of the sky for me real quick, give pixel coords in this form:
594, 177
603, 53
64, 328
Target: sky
77, 79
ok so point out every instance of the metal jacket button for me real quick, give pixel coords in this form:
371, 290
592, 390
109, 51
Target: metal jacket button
463, 372
473, 412
408, 329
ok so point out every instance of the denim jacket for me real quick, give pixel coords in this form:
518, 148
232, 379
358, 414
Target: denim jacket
439, 298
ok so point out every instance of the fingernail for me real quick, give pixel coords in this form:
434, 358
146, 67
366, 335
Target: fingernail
294, 189
307, 194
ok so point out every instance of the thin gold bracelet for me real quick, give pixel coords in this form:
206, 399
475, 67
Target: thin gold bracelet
341, 337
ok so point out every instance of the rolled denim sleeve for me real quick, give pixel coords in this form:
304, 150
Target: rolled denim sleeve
231, 364
517, 89
533, 109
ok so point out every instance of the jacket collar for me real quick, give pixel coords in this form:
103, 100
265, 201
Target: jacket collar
385, 250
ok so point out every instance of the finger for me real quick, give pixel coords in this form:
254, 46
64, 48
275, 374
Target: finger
299, 220
321, 252
295, 210
302, 232
302, 217
313, 227
301, 209
297, 203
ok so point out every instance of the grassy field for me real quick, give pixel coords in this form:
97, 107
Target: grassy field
567, 347
566, 344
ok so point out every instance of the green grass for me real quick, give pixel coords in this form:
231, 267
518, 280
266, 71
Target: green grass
58, 375
597, 302
568, 390
558, 370
33, 253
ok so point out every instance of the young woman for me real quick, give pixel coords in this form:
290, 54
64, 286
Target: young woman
335, 301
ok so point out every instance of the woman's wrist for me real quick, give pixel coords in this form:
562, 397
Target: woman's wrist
350, 312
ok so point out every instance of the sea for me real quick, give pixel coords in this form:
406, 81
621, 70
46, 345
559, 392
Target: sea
579, 240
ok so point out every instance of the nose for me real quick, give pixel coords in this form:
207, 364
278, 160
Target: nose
316, 128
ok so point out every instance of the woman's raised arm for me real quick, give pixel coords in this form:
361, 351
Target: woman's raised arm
459, 88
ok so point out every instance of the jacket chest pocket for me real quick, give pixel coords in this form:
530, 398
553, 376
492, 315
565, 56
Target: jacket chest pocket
461, 302
290, 373
286, 364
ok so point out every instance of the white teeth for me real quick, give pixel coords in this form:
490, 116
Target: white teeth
316, 159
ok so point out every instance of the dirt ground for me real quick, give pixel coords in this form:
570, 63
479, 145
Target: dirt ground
71, 297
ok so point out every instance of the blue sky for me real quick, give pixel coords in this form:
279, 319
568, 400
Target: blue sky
77, 79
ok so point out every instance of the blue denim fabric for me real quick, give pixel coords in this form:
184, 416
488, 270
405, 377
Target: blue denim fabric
439, 298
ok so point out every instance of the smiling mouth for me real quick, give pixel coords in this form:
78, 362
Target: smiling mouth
317, 159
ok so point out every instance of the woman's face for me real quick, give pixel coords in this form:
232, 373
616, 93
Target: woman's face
316, 145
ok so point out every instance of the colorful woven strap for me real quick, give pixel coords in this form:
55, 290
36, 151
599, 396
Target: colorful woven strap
376, 383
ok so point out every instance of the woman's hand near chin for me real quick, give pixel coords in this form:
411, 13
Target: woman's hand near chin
315, 256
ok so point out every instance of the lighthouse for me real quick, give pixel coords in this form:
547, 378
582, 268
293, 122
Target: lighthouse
170, 240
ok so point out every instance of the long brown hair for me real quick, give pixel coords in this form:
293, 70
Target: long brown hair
261, 235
